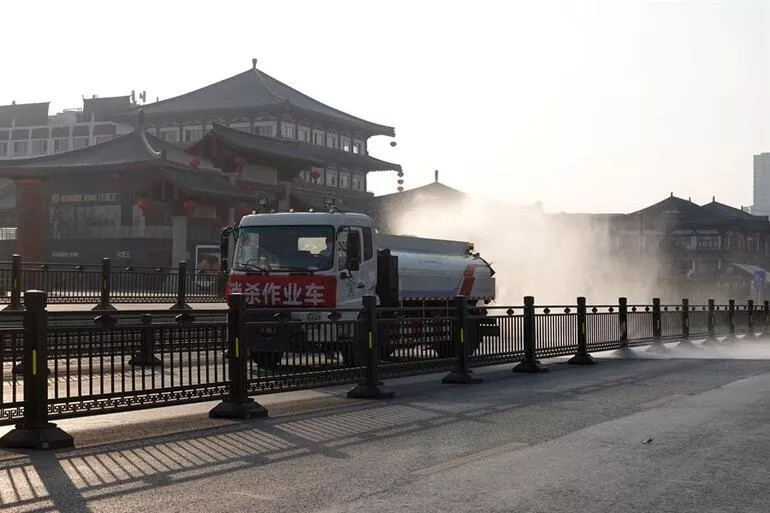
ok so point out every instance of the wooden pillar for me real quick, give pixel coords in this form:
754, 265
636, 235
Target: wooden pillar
31, 219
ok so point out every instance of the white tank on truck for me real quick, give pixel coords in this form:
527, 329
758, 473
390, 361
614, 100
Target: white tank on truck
315, 262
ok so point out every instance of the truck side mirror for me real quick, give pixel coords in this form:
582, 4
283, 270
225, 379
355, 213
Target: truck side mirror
354, 250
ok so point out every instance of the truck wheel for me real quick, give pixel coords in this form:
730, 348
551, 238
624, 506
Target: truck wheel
264, 360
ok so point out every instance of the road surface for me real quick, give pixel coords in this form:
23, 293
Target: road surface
569, 440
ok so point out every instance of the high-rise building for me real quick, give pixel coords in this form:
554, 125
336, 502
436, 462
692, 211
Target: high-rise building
761, 204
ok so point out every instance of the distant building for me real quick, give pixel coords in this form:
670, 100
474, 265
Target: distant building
711, 250
761, 204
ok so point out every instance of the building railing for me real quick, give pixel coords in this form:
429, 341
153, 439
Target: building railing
65, 364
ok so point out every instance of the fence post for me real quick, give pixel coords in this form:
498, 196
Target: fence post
15, 304
750, 335
623, 351
181, 288
145, 356
711, 339
237, 404
529, 363
582, 357
34, 431
461, 373
657, 345
106, 285
369, 349
686, 343
731, 322
766, 323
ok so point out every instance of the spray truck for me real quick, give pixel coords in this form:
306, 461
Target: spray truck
310, 264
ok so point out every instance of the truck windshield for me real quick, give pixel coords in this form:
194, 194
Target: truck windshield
284, 249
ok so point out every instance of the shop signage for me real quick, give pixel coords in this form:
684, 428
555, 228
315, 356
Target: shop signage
96, 197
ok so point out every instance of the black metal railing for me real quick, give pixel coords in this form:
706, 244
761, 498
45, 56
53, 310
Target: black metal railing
65, 364
109, 284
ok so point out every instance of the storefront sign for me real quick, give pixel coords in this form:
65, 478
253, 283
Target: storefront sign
97, 197
65, 254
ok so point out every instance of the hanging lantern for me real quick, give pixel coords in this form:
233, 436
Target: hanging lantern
400, 189
315, 174
239, 163
400, 182
245, 211
400, 174
195, 163
143, 205
392, 144
189, 206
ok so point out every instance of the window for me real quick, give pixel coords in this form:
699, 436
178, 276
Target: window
192, 134
169, 134
318, 137
79, 142
358, 146
287, 130
368, 244
60, 145
284, 249
331, 178
345, 180
303, 134
265, 128
3, 149
98, 139
69, 221
20, 148
357, 182
305, 176
38, 147
345, 143
332, 141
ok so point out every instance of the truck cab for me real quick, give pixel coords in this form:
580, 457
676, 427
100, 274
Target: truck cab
302, 260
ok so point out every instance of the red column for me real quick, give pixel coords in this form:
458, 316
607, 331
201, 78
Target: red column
31, 223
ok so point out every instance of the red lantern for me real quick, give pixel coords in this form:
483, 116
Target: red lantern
189, 206
239, 162
400, 182
315, 173
400, 189
195, 163
143, 205
245, 211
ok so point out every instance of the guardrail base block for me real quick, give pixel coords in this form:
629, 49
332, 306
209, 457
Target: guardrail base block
730, 339
530, 366
105, 307
249, 409
363, 391
142, 361
13, 308
582, 359
46, 436
460, 378
183, 307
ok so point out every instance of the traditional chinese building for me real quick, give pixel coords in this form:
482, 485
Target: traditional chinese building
711, 250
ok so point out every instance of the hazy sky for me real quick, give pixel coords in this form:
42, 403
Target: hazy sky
584, 105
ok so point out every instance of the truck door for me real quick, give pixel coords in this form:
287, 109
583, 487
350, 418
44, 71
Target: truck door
351, 286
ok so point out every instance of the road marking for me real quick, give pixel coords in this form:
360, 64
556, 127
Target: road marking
452, 464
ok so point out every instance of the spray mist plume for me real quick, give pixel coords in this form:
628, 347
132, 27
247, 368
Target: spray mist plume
553, 257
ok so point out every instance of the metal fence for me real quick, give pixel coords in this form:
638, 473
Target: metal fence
65, 364
106, 284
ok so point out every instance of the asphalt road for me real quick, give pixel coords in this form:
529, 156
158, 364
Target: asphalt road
569, 440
